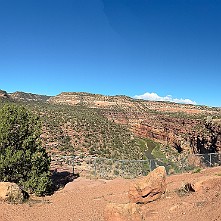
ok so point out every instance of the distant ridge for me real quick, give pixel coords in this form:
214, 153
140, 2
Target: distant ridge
23, 96
18, 95
104, 101
92, 99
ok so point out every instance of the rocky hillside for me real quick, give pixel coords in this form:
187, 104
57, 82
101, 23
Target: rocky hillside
120, 126
80, 130
4, 94
184, 127
21, 96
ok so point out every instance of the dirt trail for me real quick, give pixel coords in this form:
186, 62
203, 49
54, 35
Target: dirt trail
85, 200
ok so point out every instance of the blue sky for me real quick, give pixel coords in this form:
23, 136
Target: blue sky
148, 48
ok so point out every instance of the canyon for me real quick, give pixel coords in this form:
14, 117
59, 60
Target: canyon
193, 128
184, 127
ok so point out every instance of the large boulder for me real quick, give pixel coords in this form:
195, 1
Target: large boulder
122, 212
148, 188
11, 192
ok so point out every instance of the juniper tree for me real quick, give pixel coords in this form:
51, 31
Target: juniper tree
22, 158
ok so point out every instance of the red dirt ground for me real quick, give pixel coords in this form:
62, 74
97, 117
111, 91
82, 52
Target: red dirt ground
85, 200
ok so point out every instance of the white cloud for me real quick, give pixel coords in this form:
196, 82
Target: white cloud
156, 97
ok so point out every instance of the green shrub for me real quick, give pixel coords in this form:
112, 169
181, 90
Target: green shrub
197, 170
22, 159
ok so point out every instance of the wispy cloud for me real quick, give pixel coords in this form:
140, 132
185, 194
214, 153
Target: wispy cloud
156, 97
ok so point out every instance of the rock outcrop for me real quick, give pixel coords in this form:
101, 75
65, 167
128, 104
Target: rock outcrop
11, 192
149, 188
142, 191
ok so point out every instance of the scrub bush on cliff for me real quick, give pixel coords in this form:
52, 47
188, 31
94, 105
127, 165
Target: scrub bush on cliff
22, 159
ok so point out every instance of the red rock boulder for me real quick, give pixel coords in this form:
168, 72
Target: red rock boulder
149, 188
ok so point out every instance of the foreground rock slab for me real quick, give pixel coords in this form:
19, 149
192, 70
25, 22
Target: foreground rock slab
149, 188
122, 212
11, 192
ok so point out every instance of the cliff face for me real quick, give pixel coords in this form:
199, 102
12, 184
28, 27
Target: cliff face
207, 138
182, 126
